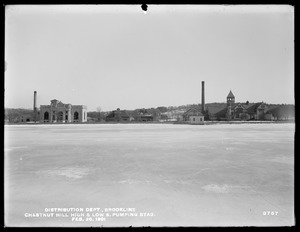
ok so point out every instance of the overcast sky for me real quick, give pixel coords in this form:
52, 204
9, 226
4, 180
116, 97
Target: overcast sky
119, 57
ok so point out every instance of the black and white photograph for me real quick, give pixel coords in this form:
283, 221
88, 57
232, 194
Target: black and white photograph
149, 115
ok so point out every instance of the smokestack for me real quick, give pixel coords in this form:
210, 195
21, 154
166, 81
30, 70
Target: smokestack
34, 101
203, 99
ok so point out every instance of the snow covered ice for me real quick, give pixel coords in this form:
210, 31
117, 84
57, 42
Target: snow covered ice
178, 175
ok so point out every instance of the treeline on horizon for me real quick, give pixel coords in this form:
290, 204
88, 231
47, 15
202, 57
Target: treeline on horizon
277, 110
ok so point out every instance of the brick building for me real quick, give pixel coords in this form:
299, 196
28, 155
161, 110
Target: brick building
242, 111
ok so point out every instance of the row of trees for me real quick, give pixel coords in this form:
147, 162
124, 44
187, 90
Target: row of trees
283, 112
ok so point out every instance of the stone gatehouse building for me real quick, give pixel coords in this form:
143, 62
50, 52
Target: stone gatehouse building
59, 112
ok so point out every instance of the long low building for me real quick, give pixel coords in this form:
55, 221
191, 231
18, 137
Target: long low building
59, 112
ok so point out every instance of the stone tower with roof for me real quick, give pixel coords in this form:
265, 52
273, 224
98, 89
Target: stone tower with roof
230, 103
230, 99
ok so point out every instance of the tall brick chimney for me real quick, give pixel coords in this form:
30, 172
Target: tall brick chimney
34, 107
203, 98
34, 101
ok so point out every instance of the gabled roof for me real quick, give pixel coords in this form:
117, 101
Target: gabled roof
239, 105
214, 109
222, 113
199, 110
253, 107
230, 94
250, 108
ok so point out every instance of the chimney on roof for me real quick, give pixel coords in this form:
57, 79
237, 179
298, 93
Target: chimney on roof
203, 98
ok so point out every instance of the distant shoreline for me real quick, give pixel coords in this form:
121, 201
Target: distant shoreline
170, 122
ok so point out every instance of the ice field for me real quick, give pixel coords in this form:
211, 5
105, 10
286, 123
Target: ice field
171, 175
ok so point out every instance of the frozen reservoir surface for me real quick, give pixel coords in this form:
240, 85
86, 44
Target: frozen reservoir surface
149, 175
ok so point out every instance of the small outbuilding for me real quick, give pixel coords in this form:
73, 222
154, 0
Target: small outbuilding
193, 116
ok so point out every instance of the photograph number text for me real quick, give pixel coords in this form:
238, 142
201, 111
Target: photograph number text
270, 213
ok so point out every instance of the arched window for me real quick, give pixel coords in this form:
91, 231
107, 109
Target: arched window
76, 116
46, 116
60, 116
